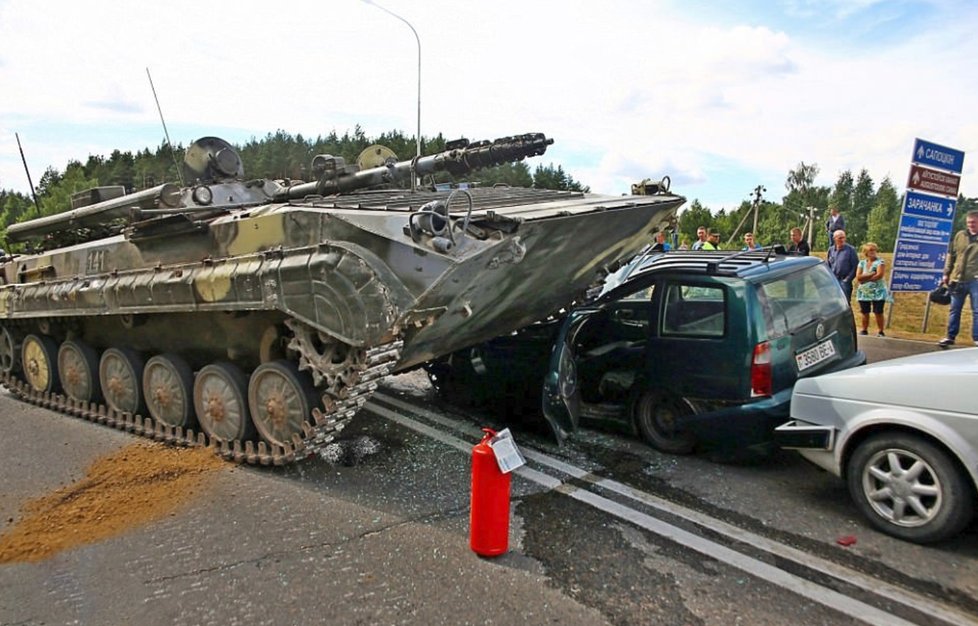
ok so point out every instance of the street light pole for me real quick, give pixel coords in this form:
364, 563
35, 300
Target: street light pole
414, 178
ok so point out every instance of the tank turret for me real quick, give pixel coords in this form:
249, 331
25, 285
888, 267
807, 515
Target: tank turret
211, 161
259, 315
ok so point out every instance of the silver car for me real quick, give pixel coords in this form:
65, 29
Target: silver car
903, 434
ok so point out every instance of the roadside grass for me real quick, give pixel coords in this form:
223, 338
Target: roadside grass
905, 316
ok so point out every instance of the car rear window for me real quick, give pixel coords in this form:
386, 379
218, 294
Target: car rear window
797, 299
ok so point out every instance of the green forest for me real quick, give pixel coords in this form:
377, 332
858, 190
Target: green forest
871, 209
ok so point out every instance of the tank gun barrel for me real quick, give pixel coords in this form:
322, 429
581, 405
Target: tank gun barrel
334, 176
459, 158
98, 214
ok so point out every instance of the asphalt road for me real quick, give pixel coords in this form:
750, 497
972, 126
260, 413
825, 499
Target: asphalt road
882, 349
604, 530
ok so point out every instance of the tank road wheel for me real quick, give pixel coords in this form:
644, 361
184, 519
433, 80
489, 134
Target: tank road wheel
220, 399
9, 351
39, 354
121, 374
280, 398
78, 371
168, 386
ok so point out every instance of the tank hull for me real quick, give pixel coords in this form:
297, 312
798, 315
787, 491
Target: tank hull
261, 325
349, 273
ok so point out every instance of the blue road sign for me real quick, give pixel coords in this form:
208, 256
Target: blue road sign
926, 220
929, 206
915, 255
914, 280
924, 229
941, 157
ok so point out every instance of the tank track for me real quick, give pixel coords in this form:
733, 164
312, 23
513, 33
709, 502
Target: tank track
326, 423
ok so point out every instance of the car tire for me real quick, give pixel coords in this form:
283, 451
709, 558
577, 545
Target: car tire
935, 502
659, 419
441, 377
457, 381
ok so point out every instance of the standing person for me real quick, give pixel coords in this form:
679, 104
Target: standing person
871, 290
712, 240
961, 277
798, 245
660, 244
834, 223
750, 244
700, 238
843, 260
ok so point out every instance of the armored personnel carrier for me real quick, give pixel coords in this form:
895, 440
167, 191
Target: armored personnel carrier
257, 316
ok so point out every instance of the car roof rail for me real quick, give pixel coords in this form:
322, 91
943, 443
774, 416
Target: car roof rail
710, 262
769, 251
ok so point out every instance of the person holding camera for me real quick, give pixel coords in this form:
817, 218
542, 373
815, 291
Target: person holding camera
961, 278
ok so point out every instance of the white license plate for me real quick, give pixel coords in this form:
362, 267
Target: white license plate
815, 355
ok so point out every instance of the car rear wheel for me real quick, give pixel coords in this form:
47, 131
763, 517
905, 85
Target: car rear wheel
660, 419
909, 488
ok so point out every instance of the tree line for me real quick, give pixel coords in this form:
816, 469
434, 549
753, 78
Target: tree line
871, 211
278, 155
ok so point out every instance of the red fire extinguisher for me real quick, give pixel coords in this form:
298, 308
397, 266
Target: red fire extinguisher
489, 515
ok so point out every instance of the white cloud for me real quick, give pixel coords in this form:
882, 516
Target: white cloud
627, 91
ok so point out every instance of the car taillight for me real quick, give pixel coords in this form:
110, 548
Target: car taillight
760, 371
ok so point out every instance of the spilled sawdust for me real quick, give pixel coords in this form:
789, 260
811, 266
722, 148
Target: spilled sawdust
133, 486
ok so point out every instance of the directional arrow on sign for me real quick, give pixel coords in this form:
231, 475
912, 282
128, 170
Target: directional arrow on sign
933, 181
929, 205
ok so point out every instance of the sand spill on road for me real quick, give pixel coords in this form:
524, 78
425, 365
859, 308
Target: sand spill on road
133, 486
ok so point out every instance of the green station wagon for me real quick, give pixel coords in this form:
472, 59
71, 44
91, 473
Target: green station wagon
686, 348
701, 347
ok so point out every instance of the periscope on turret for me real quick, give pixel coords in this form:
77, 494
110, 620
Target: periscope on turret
258, 315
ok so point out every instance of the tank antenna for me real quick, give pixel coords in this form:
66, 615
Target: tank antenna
26, 169
165, 131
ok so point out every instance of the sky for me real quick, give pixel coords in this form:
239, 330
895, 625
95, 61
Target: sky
720, 96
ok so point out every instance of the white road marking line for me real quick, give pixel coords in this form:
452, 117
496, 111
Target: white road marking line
806, 588
809, 561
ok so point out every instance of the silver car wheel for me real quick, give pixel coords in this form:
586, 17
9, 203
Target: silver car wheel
902, 487
910, 487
